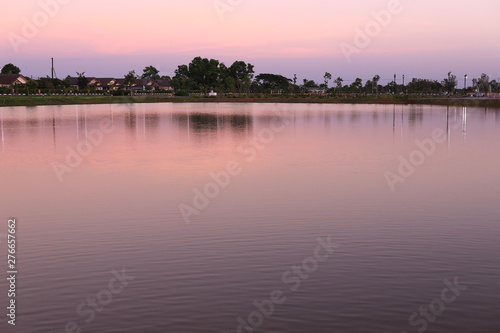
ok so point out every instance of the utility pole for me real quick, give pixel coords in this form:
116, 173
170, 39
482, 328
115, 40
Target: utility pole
403, 83
54, 74
395, 84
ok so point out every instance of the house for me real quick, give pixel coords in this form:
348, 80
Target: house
9, 80
101, 83
73, 82
139, 84
163, 84
118, 84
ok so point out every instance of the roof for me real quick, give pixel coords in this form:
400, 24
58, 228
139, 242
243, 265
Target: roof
163, 83
74, 80
141, 82
102, 81
10, 79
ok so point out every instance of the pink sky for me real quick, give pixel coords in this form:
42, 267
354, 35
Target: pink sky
109, 38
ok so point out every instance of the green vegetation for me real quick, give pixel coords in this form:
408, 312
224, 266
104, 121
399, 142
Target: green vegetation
150, 73
34, 100
10, 69
236, 83
269, 83
203, 75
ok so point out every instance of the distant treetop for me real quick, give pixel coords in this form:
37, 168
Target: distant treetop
10, 69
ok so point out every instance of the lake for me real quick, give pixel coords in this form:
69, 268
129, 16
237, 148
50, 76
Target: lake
252, 218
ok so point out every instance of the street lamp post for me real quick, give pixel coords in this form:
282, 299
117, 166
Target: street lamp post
465, 82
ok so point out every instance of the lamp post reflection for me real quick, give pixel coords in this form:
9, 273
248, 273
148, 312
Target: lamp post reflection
448, 129
464, 124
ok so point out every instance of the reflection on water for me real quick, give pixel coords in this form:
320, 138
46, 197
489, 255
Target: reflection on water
320, 174
199, 124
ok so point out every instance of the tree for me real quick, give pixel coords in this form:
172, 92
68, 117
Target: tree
201, 74
494, 85
483, 84
242, 74
357, 85
268, 82
338, 82
82, 80
327, 77
151, 73
130, 79
450, 83
181, 80
424, 86
10, 69
204, 74
310, 84
375, 80
31, 86
368, 88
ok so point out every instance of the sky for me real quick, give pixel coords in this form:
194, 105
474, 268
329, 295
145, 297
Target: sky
350, 39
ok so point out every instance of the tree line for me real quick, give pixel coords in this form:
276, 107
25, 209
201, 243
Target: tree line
203, 75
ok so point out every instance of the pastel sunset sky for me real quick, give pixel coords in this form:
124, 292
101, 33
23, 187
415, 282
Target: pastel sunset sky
425, 38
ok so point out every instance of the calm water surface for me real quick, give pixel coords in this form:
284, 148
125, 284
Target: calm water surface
112, 187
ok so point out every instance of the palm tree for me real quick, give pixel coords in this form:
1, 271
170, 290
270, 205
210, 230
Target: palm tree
327, 77
338, 81
376, 78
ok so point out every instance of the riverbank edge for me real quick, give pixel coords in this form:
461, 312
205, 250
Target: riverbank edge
10, 101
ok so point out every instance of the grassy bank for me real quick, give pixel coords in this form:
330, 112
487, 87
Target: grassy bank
71, 100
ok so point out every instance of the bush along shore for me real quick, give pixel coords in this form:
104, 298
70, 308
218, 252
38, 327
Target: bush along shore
34, 100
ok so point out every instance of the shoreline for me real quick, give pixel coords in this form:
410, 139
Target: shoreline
10, 101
